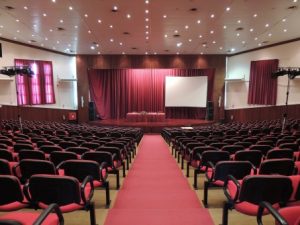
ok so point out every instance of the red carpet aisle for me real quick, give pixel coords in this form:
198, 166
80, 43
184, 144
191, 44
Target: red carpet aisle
155, 192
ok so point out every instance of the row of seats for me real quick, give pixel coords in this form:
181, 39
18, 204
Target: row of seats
255, 167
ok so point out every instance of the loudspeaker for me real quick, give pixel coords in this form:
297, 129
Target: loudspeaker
92, 111
210, 111
0, 50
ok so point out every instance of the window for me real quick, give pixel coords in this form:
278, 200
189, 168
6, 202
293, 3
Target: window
37, 89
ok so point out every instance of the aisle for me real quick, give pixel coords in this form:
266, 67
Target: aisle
155, 192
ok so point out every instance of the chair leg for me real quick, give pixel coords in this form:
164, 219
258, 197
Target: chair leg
182, 162
127, 162
124, 169
118, 179
92, 213
107, 194
187, 169
205, 194
195, 178
226, 207
178, 157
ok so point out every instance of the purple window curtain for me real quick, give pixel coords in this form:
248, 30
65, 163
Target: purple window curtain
119, 91
262, 87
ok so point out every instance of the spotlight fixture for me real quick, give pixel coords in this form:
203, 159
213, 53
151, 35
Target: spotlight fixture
292, 72
17, 70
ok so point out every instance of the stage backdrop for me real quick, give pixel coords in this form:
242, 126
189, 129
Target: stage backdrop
119, 91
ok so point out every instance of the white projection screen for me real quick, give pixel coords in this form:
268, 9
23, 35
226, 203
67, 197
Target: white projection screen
186, 91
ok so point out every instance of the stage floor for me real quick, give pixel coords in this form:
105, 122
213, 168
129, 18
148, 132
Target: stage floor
152, 127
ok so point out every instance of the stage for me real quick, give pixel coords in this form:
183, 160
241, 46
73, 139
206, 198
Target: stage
152, 127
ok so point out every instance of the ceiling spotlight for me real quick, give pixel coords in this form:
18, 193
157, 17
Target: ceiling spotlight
25, 7
212, 16
228, 9
147, 1
267, 25
251, 29
146, 11
99, 21
128, 16
255, 15
211, 31
186, 27
93, 47
198, 21
70, 8
225, 27
111, 40
164, 16
115, 8
179, 44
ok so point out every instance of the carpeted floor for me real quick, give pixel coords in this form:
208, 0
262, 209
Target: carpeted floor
155, 192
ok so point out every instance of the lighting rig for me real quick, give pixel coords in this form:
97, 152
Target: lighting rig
17, 70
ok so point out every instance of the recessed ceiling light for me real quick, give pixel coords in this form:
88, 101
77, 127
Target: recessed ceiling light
18, 31
50, 30
25, 7
89, 31
147, 26
155, 53
57, 42
44, 14
128, 16
214, 42
115, 8
164, 16
225, 27
75, 26
53, 0
123, 53
121, 43
1, 26
98, 53
147, 1
166, 35
99, 21
259, 44
111, 26
200, 36
186, 27
204, 45
146, 11
175, 31
239, 21
228, 9
251, 29
212, 32
255, 38
243, 42
146, 19
147, 32
269, 34
285, 30
17, 20
267, 25
61, 21
147, 37
32, 35
198, 21
97, 45
15, 38
190, 40
70, 8
93, 47
255, 15
238, 34
201, 53
146, 53
212, 16
177, 53
284, 20
232, 49
34, 25
46, 39
179, 44
295, 0
111, 40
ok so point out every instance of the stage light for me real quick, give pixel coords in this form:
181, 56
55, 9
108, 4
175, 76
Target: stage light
17, 70
292, 72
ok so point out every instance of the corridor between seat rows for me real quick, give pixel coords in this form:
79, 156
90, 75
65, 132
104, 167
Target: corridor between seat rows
155, 192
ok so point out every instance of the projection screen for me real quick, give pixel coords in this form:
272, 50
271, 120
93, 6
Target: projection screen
186, 91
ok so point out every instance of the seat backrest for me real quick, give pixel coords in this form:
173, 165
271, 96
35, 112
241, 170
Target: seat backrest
263, 148
214, 156
29, 154
46, 143
270, 188
67, 144
246, 144
81, 169
292, 146
99, 157
280, 154
90, 145
59, 156
233, 148
19, 147
10, 189
50, 148
4, 167
78, 150
238, 169
112, 150
29, 167
253, 156
47, 189
5, 154
277, 166
218, 145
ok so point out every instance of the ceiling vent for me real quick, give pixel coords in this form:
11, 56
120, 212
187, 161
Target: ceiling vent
60, 29
134, 48
126, 33
8, 7
176, 35
239, 29
33, 41
193, 9
292, 7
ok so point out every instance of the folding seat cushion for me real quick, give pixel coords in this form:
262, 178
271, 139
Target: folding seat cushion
50, 216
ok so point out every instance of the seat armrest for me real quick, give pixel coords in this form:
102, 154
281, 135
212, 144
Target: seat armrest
266, 205
238, 187
51, 208
88, 179
103, 166
211, 165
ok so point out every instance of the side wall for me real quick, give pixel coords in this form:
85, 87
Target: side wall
238, 66
85, 62
64, 67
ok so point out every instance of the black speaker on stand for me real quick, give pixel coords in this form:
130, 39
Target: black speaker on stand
92, 111
209, 111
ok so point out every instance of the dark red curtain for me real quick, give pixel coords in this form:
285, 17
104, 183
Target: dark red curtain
119, 91
262, 87
39, 88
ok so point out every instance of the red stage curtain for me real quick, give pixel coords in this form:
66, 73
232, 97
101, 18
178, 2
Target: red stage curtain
118, 91
39, 88
262, 87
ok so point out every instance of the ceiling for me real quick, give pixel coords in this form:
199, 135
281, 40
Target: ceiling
149, 26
